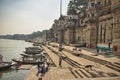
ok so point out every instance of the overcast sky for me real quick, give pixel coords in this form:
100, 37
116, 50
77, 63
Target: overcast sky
27, 16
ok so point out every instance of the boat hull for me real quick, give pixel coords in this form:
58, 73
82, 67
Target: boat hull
6, 65
26, 62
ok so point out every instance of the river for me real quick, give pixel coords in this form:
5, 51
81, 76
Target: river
12, 49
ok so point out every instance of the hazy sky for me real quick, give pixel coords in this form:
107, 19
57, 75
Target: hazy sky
26, 16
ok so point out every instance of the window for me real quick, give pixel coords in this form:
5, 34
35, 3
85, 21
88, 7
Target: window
98, 3
92, 15
81, 21
92, 4
105, 2
88, 15
109, 11
79, 38
109, 2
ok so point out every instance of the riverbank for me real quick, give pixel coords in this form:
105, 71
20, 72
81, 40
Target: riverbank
73, 67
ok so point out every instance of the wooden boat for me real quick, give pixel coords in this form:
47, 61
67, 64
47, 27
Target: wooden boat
5, 65
27, 61
33, 50
26, 55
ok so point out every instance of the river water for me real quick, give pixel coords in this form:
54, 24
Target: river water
12, 49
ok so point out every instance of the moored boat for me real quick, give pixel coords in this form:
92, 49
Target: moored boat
33, 50
26, 55
27, 61
4, 65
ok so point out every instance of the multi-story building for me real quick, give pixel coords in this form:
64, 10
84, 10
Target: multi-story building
61, 28
45, 37
80, 33
105, 22
91, 22
55, 30
98, 23
116, 26
70, 31
109, 20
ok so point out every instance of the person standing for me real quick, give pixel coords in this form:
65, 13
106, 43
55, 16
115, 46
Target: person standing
1, 57
60, 47
97, 50
60, 61
109, 43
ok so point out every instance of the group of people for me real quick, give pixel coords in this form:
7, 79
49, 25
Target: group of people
42, 68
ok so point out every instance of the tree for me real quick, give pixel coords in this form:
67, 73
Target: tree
74, 6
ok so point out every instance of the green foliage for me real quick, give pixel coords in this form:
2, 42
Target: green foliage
74, 6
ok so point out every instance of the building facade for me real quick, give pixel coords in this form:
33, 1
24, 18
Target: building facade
116, 26
97, 23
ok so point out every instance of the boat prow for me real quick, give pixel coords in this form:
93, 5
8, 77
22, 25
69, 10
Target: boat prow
5, 65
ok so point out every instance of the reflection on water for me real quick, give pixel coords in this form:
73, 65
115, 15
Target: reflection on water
12, 49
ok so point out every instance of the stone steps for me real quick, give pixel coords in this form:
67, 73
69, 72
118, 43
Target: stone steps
84, 73
94, 73
58, 74
78, 73
117, 63
68, 60
115, 66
